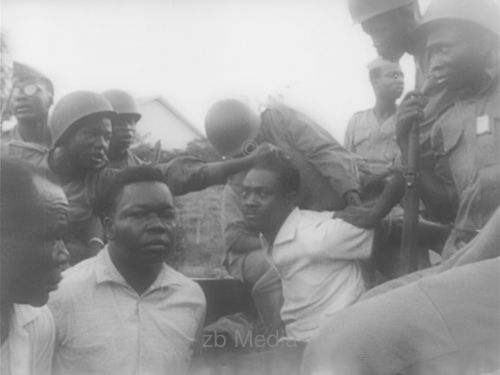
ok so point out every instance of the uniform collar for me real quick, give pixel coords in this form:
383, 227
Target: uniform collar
106, 272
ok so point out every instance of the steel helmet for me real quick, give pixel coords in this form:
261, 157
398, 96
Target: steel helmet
485, 13
363, 10
123, 103
232, 127
73, 107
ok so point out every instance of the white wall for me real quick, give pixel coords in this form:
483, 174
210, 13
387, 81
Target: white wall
160, 123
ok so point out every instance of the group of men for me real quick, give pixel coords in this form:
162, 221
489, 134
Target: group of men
300, 217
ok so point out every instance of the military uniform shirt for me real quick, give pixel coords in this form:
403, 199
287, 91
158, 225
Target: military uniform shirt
374, 142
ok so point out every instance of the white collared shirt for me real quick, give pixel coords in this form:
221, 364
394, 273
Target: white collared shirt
105, 327
318, 259
29, 347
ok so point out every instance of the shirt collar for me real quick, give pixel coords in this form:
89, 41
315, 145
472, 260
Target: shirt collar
25, 314
106, 272
287, 231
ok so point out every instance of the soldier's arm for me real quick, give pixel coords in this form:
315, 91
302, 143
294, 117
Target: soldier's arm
329, 158
186, 174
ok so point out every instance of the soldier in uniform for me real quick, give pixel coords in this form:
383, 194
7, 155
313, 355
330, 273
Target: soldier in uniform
81, 127
371, 133
123, 129
445, 323
31, 98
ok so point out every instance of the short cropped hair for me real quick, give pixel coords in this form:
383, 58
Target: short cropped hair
127, 176
18, 196
288, 174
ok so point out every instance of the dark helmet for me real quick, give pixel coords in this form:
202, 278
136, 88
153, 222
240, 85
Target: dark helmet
363, 10
231, 126
123, 103
73, 107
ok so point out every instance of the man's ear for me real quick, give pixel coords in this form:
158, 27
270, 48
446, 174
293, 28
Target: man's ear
109, 228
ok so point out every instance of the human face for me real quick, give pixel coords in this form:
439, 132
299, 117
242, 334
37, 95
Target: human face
454, 58
31, 101
123, 132
88, 145
389, 32
390, 82
265, 207
38, 255
142, 224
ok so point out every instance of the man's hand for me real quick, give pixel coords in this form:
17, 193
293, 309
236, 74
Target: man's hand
268, 150
352, 198
359, 216
410, 111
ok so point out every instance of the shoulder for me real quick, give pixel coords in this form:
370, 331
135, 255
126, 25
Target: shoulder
75, 281
38, 322
308, 217
359, 116
184, 286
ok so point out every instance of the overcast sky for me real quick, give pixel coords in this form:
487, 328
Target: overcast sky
194, 52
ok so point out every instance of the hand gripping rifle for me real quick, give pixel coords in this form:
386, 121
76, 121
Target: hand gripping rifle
411, 199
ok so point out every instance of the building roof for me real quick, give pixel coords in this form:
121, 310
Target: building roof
160, 99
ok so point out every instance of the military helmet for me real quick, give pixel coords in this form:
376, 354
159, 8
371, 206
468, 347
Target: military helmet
22, 72
363, 10
73, 107
123, 103
485, 13
232, 127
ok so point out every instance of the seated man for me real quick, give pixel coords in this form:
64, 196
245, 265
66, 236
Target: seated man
33, 219
445, 323
125, 311
317, 257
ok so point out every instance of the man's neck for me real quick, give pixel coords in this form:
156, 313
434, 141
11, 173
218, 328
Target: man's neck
271, 233
139, 277
5, 313
60, 163
384, 109
117, 154
36, 132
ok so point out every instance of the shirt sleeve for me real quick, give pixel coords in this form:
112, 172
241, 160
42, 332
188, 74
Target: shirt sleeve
186, 174
42, 335
329, 158
338, 239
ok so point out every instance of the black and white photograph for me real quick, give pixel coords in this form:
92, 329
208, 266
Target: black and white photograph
250, 187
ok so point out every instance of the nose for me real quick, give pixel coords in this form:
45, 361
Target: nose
157, 225
250, 200
101, 142
60, 255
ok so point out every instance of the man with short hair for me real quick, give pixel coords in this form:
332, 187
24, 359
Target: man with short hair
123, 129
31, 98
371, 133
33, 220
328, 181
124, 310
317, 257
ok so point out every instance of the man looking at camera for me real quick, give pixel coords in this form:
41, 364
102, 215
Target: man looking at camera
125, 311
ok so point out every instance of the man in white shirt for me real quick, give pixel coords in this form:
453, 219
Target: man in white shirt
317, 256
33, 220
125, 311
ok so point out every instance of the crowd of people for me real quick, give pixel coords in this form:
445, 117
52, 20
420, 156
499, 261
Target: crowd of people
311, 226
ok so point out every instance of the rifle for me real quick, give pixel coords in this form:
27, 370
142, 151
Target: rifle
411, 199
